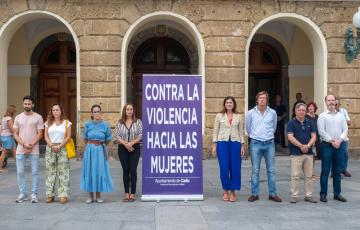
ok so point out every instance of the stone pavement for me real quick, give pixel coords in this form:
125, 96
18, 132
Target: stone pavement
212, 213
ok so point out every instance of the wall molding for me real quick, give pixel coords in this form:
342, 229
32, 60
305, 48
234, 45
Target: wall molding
301, 70
19, 71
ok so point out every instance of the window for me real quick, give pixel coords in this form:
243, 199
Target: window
54, 57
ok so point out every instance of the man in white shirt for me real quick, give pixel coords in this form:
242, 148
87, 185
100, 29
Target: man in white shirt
344, 112
333, 131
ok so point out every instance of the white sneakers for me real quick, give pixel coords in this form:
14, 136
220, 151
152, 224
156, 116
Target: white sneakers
22, 197
34, 198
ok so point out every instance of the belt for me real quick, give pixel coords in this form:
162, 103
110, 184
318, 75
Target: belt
263, 142
95, 142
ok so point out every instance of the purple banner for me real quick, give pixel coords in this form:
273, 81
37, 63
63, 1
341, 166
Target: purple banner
172, 138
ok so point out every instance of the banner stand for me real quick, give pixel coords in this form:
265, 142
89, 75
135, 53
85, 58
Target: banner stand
185, 198
172, 138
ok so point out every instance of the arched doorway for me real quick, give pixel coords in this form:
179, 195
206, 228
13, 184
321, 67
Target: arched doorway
317, 48
7, 33
264, 71
160, 55
57, 79
190, 37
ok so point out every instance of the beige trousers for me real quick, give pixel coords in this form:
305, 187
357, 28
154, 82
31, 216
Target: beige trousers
301, 163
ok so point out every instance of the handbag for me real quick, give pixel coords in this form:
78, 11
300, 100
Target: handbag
70, 146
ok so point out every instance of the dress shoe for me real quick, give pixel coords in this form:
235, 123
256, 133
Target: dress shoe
340, 198
63, 200
275, 198
253, 198
50, 199
310, 199
323, 198
293, 200
346, 173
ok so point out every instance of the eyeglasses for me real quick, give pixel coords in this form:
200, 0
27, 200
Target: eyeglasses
96, 111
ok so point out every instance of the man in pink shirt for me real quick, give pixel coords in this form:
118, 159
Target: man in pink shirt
28, 127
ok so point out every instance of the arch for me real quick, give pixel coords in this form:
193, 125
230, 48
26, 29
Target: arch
174, 18
318, 43
7, 32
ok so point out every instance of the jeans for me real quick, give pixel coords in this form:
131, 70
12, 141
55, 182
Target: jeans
20, 168
334, 157
259, 149
346, 155
129, 162
229, 156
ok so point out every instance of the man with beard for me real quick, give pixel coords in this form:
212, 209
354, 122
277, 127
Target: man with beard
333, 131
28, 127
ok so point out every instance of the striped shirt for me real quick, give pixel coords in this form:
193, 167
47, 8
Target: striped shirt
129, 134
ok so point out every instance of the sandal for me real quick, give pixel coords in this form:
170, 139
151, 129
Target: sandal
126, 198
132, 198
232, 196
225, 196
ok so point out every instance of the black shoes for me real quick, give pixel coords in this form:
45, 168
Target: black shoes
336, 197
340, 198
323, 198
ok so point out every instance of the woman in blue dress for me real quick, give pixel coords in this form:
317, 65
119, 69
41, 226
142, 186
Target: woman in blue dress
96, 177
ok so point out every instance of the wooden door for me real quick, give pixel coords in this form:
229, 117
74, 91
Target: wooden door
57, 80
264, 72
156, 56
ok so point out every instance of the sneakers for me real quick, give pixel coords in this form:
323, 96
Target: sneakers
34, 198
21, 198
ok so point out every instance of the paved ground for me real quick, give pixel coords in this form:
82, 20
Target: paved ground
212, 213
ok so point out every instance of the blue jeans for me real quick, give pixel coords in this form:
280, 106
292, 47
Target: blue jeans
335, 158
259, 149
346, 155
20, 168
229, 156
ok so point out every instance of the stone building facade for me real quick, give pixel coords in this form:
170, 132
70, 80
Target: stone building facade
237, 46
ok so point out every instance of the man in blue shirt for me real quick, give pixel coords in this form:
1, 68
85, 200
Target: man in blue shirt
301, 136
261, 124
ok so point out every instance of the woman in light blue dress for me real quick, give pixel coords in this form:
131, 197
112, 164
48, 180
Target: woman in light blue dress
96, 177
